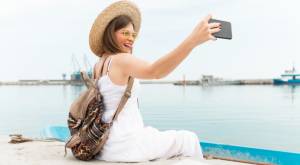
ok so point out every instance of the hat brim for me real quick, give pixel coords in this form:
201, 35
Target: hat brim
103, 19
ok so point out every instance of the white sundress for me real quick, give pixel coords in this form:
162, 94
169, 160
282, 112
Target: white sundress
130, 140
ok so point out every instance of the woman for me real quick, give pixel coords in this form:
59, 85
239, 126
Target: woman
111, 38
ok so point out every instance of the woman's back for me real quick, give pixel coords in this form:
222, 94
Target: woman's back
129, 120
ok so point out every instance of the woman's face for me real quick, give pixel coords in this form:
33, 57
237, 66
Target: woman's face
125, 38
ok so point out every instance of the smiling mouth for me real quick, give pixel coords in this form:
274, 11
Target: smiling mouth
129, 46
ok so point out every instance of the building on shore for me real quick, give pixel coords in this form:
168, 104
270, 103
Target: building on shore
208, 80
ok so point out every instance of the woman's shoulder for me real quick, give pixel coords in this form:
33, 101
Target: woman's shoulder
121, 59
118, 56
121, 56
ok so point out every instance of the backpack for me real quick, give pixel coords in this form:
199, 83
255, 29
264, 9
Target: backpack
88, 132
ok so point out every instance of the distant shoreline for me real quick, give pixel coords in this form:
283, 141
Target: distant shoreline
181, 82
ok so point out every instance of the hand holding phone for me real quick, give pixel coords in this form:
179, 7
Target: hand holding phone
225, 32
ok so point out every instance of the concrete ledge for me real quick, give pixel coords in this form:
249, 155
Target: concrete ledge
52, 153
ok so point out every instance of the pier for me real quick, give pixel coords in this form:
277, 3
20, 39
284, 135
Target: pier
226, 82
42, 82
66, 82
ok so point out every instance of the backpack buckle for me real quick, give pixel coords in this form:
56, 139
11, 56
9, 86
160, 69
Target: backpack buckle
98, 96
127, 94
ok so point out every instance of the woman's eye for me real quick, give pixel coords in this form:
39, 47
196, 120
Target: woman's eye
126, 34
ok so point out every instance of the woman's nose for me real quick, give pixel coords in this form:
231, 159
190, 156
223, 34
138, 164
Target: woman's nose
130, 38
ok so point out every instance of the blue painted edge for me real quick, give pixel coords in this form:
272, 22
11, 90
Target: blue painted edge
62, 133
250, 154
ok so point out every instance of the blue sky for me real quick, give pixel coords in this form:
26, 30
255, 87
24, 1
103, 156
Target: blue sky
38, 37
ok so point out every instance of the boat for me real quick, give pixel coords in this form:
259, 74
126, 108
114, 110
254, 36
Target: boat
290, 77
241, 154
76, 76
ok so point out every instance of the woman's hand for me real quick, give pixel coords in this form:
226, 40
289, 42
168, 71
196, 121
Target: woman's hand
203, 32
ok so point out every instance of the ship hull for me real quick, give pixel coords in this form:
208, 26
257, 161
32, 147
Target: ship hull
288, 82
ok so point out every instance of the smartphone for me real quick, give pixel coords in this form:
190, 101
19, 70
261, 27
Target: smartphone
225, 32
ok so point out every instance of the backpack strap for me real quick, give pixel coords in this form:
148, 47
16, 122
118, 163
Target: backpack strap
101, 70
124, 99
102, 67
100, 74
108, 66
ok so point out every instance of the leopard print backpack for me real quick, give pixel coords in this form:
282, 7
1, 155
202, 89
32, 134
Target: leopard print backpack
88, 132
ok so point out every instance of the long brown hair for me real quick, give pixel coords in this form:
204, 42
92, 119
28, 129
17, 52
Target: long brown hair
109, 40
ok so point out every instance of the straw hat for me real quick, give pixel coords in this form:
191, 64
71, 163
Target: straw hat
123, 7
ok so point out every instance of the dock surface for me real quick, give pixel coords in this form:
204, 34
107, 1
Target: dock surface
52, 153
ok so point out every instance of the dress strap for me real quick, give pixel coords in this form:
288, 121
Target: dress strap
102, 66
108, 66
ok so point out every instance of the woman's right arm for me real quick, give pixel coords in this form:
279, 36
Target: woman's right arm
163, 66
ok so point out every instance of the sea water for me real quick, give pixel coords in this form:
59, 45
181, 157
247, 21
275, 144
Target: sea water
261, 116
